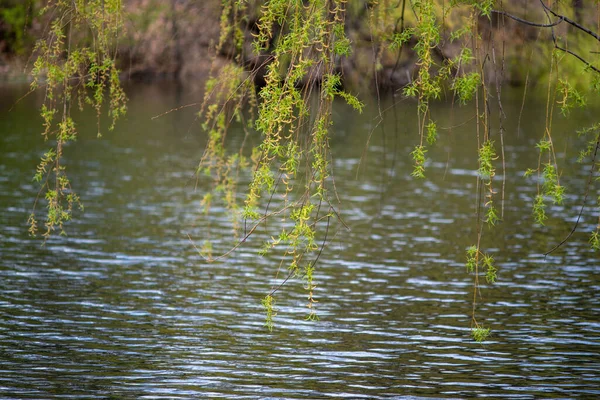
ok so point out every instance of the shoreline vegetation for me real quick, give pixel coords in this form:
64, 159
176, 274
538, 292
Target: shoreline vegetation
176, 40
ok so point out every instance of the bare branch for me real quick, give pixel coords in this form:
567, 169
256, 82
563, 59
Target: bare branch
523, 21
571, 22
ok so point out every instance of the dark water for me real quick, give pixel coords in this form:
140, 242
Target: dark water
124, 307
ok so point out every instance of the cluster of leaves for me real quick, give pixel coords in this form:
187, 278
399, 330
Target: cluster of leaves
225, 93
487, 171
550, 188
73, 70
484, 7
570, 97
477, 259
426, 86
268, 304
301, 52
480, 334
432, 75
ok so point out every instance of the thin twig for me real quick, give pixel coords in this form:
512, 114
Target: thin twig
530, 23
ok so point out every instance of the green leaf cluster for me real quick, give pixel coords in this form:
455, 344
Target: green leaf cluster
570, 97
548, 176
75, 64
591, 144
475, 258
480, 334
595, 240
268, 304
487, 154
484, 7
418, 155
465, 86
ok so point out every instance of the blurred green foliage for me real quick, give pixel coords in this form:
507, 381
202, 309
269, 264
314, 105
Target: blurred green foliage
15, 21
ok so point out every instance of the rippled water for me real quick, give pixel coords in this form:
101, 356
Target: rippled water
123, 306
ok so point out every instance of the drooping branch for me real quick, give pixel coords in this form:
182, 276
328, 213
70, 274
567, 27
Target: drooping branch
561, 18
587, 191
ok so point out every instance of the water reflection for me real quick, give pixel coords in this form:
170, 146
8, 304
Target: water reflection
124, 307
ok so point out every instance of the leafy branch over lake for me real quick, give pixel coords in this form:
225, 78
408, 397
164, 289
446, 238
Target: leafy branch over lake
283, 88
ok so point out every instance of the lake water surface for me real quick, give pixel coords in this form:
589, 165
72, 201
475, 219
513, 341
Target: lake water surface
124, 307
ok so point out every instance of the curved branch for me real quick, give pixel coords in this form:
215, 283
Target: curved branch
523, 21
587, 63
571, 22
561, 18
